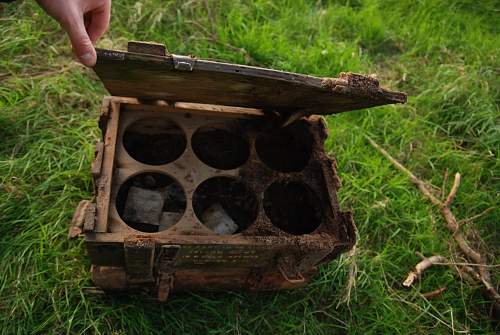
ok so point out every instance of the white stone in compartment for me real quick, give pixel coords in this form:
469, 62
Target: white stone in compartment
143, 206
216, 218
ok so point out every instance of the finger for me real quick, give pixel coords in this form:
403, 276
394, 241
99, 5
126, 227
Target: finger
82, 45
99, 21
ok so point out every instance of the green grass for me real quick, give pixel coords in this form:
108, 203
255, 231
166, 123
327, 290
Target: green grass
443, 53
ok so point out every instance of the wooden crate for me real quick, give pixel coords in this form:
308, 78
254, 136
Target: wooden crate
243, 137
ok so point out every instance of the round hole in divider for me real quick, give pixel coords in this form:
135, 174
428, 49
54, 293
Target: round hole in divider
292, 207
286, 149
151, 202
225, 205
220, 148
154, 141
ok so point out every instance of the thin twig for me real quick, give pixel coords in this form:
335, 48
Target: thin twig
435, 293
426, 311
469, 264
464, 275
421, 266
420, 184
453, 192
472, 218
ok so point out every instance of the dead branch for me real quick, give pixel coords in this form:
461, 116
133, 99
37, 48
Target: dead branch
482, 273
464, 276
453, 192
435, 293
421, 266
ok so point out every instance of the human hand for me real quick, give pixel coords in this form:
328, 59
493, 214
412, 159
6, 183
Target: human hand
84, 21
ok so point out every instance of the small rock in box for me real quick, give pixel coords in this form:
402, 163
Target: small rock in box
143, 206
216, 218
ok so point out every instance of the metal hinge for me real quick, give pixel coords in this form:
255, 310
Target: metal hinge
183, 63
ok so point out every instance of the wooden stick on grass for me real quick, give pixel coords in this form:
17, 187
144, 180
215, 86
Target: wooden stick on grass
435, 293
482, 273
416, 272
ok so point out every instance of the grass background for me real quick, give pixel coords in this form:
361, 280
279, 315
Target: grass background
443, 53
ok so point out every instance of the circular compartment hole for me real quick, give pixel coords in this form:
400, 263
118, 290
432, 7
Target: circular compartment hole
151, 202
154, 141
292, 207
286, 149
220, 148
225, 205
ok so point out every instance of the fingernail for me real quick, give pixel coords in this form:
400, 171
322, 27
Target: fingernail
87, 59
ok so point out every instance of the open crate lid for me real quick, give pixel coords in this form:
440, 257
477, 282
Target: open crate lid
148, 72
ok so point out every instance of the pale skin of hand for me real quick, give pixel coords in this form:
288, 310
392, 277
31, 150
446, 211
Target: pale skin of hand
84, 21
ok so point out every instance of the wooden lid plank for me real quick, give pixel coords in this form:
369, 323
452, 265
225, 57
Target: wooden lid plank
187, 79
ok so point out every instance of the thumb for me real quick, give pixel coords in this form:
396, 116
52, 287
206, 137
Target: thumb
82, 45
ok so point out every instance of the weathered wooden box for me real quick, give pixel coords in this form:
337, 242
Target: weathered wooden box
213, 175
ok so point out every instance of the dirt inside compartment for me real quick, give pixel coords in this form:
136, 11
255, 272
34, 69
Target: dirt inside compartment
286, 149
292, 207
220, 148
154, 141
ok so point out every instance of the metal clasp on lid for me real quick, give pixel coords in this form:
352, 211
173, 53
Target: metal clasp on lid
183, 63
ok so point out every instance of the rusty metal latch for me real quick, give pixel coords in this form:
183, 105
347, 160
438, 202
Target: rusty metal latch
166, 270
287, 266
184, 63
139, 259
